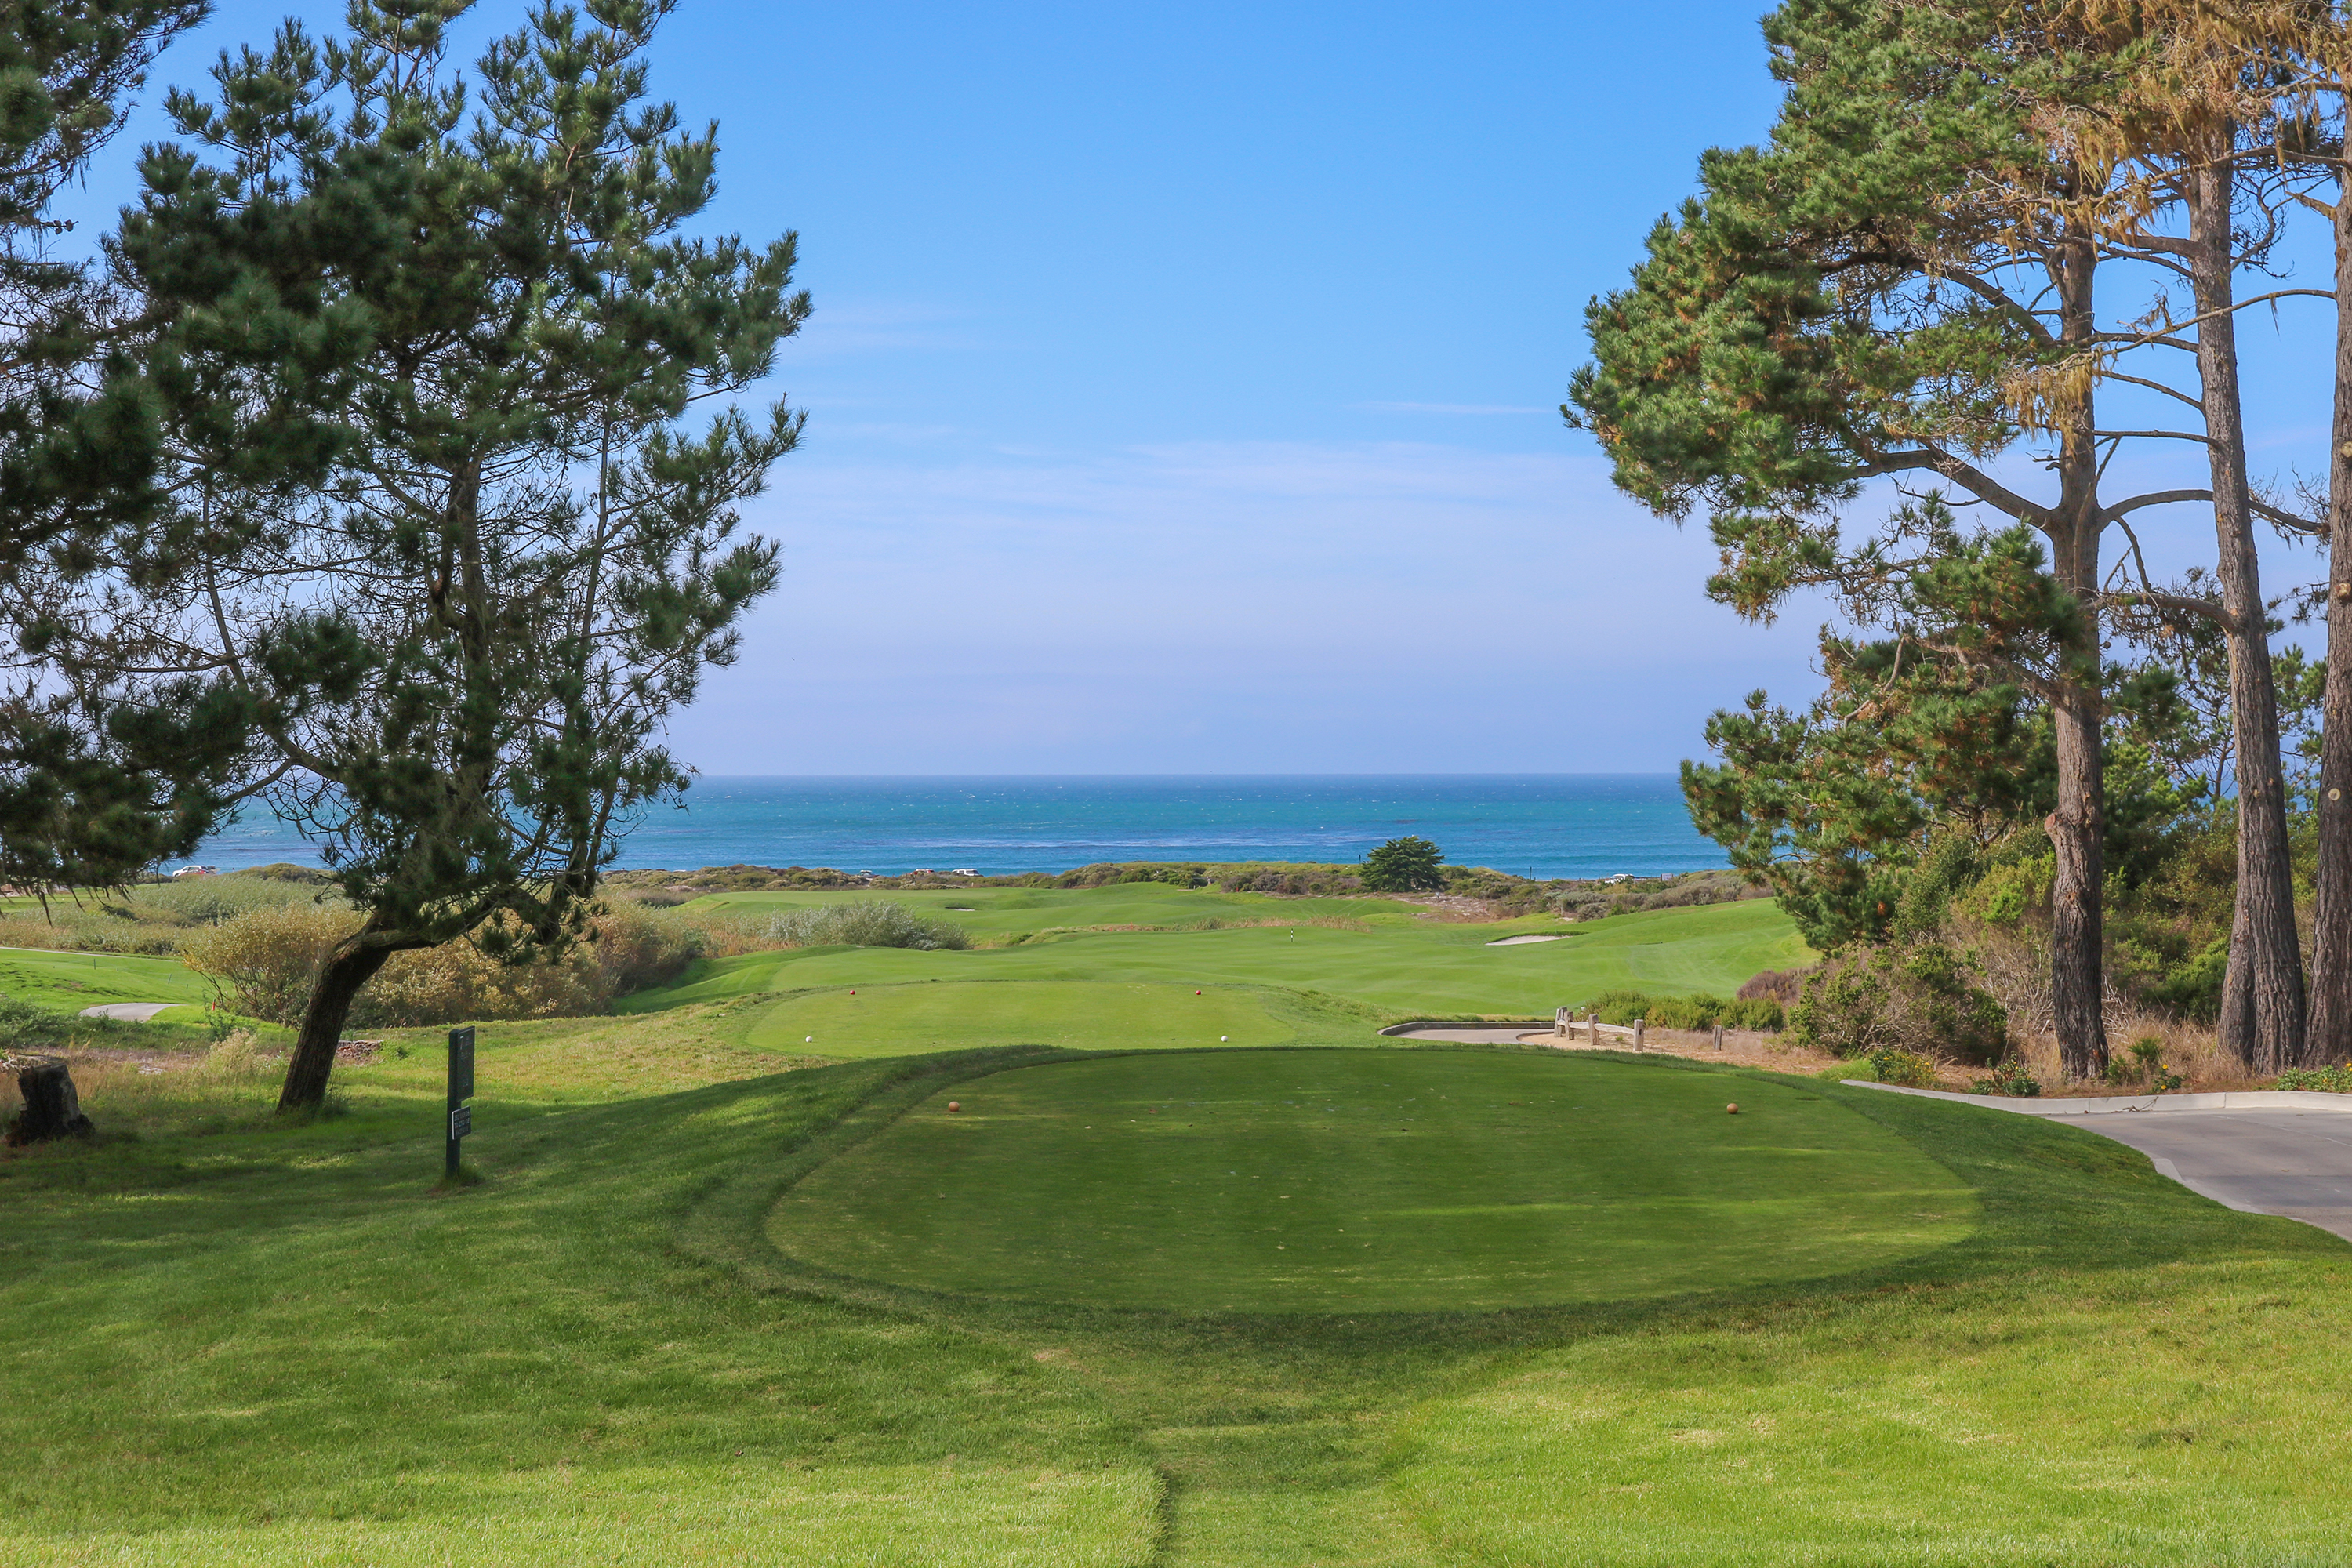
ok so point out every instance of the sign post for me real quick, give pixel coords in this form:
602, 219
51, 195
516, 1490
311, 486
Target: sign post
461, 1088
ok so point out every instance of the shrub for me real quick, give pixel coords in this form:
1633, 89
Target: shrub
262, 963
2010, 1079
458, 981
1903, 1068
2144, 1063
235, 1054
2337, 1079
1921, 998
866, 924
1782, 986
1297, 880
1106, 873
1408, 865
27, 1028
1701, 1012
207, 900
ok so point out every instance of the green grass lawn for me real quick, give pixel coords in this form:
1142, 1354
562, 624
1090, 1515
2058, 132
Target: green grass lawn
235, 1340
912, 1018
1263, 984
69, 981
1366, 1181
999, 911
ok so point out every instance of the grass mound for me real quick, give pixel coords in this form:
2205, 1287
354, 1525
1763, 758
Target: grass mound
1371, 1181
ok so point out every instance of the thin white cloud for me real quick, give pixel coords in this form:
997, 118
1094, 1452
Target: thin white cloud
1453, 408
1229, 606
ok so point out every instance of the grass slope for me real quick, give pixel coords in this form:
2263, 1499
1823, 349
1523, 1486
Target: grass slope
918, 1016
1325, 983
69, 981
273, 1345
1366, 1181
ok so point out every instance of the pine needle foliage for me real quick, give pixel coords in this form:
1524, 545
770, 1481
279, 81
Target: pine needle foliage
461, 650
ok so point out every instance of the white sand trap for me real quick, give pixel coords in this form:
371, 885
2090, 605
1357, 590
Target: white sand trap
1521, 941
127, 1011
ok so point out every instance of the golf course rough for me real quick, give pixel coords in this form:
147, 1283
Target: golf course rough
1313, 1181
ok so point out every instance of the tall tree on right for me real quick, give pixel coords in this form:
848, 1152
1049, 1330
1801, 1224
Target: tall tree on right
1901, 287
2202, 140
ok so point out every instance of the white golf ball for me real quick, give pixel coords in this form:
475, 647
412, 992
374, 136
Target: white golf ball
1224, 1036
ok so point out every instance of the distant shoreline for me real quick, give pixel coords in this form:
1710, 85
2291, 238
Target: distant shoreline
1542, 827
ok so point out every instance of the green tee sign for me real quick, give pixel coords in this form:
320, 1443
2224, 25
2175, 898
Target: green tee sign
461, 1088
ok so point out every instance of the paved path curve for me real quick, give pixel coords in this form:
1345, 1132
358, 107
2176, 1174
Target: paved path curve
2263, 1153
2292, 1162
127, 1011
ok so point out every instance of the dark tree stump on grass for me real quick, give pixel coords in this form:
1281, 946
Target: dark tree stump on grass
52, 1109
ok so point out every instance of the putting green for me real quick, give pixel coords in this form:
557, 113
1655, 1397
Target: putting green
909, 1019
1378, 1180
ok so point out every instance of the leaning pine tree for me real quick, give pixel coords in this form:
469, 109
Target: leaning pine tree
462, 650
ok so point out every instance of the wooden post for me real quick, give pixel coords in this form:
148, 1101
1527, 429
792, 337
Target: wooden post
1637, 1033
52, 1108
1718, 1036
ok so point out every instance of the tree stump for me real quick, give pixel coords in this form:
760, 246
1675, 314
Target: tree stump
52, 1109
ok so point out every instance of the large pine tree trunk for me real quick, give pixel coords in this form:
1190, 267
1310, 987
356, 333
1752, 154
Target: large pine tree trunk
329, 1007
2077, 827
2269, 1033
2077, 833
2330, 1039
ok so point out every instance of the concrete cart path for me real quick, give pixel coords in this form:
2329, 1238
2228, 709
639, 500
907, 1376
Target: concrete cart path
127, 1011
2265, 1152
1489, 1032
1469, 1034
2292, 1162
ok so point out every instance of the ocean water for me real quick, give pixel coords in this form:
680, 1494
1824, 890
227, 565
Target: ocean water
1533, 825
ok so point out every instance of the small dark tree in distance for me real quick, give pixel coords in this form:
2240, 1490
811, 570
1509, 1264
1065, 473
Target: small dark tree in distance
1409, 865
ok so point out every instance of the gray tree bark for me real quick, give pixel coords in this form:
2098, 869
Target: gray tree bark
2077, 826
2262, 1014
2330, 1038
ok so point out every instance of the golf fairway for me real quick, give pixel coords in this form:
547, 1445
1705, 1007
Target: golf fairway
1377, 1180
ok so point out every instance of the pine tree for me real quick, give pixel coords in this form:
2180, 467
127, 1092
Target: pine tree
96, 782
1407, 865
1902, 286
460, 651
2195, 131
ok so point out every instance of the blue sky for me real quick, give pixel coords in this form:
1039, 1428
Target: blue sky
1182, 380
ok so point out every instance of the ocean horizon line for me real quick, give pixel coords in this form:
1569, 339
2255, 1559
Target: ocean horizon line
1542, 825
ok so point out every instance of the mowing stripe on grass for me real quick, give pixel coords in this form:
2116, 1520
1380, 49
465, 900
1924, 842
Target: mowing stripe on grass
1378, 1180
